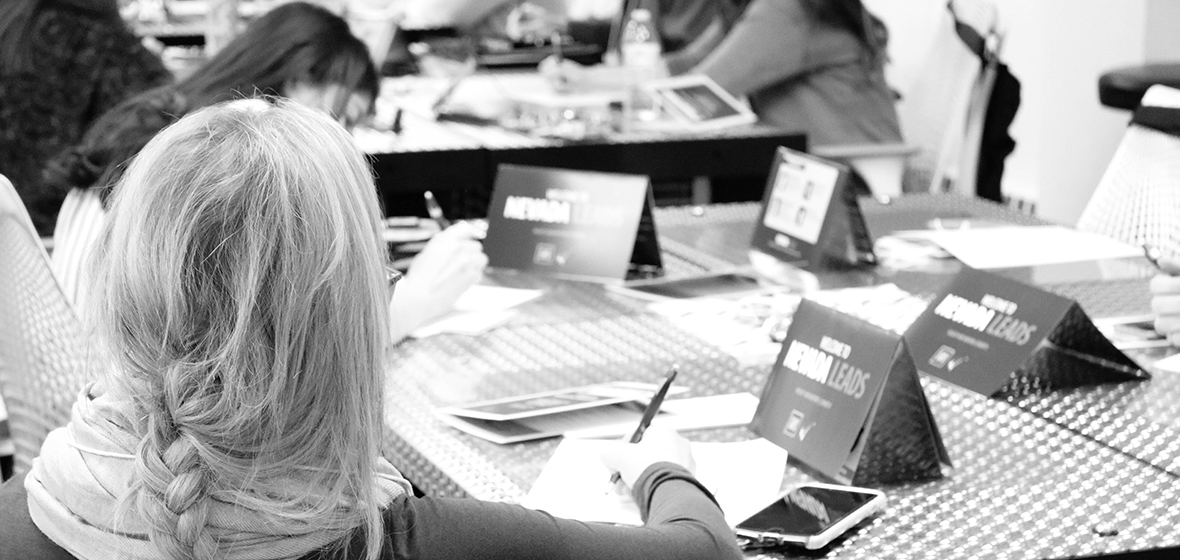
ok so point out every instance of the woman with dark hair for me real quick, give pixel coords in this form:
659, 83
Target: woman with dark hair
296, 50
810, 65
62, 64
299, 51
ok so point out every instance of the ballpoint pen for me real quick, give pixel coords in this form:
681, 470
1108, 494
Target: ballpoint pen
1153, 254
435, 211
649, 413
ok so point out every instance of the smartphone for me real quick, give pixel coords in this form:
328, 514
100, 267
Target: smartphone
708, 285
811, 516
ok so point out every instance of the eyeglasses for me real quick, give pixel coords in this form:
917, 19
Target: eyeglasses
393, 276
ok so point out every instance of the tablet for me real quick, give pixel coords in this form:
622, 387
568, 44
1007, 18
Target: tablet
699, 103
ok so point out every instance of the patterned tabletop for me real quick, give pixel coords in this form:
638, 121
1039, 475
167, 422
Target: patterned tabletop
1072, 473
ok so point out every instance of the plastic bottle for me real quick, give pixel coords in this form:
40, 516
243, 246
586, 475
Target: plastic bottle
639, 49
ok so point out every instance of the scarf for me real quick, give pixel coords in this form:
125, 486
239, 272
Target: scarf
86, 467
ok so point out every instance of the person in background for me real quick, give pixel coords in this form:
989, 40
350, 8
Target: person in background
810, 65
815, 66
62, 64
239, 307
1165, 299
299, 51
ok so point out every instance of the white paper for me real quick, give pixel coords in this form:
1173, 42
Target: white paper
696, 413
1170, 364
478, 310
743, 476
1004, 247
717, 411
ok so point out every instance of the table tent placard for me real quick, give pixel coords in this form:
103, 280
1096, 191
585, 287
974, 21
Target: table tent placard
582, 225
844, 400
1000, 337
810, 216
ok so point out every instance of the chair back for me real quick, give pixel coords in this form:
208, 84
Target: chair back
42, 345
79, 225
1137, 201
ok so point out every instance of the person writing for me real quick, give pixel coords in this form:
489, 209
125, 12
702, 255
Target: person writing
62, 64
239, 303
815, 66
299, 51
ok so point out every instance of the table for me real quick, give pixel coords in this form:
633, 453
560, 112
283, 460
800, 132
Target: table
458, 161
1039, 476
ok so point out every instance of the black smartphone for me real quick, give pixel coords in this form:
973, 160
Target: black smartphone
810, 516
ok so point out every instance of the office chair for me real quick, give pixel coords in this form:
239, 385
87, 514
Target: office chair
1138, 198
41, 342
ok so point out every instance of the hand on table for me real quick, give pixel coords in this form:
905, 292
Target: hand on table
658, 445
1165, 300
450, 263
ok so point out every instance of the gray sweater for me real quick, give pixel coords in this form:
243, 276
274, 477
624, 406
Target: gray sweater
682, 522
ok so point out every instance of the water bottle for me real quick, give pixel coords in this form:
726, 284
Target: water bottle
639, 49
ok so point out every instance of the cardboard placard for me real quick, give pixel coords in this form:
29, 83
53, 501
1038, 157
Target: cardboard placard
845, 401
582, 225
1000, 337
810, 216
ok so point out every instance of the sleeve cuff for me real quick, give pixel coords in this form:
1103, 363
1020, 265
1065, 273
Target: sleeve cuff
659, 473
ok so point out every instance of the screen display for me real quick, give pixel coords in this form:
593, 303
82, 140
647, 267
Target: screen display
701, 286
806, 510
704, 103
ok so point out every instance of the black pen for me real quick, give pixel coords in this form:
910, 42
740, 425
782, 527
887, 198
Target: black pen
1153, 254
649, 414
435, 211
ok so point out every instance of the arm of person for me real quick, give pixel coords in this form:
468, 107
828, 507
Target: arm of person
450, 263
766, 46
1165, 299
681, 523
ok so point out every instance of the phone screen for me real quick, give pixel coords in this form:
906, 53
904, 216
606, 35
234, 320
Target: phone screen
806, 511
701, 286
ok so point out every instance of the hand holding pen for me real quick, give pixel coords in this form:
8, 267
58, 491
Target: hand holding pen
435, 211
648, 444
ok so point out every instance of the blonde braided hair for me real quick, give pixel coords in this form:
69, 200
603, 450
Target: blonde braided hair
240, 296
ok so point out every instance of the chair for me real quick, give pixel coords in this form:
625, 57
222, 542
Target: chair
41, 342
79, 223
1138, 198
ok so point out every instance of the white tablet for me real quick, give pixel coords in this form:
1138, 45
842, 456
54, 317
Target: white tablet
701, 104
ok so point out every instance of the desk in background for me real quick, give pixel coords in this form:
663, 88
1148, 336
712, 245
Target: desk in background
1043, 476
458, 161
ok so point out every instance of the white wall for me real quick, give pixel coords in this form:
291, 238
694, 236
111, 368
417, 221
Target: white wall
1065, 137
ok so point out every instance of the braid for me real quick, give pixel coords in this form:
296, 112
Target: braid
173, 496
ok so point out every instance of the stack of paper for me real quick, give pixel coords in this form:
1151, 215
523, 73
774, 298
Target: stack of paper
605, 410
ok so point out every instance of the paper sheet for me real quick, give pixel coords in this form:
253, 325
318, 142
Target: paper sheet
743, 476
1004, 247
479, 309
1170, 364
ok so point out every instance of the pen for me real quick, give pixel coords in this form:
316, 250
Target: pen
397, 122
1153, 254
649, 413
435, 211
